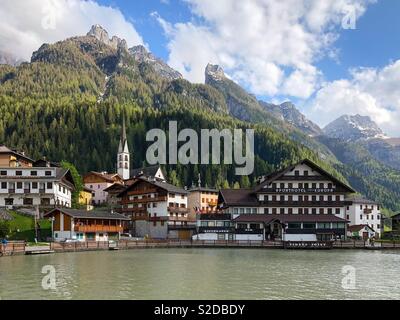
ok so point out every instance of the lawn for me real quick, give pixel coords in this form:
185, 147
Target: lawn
23, 227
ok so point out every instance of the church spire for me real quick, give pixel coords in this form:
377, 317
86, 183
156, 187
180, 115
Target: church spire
123, 163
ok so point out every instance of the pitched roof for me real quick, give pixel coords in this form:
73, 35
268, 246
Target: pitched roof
110, 177
201, 189
4, 149
360, 200
150, 171
161, 184
358, 228
285, 218
116, 187
275, 176
239, 197
95, 214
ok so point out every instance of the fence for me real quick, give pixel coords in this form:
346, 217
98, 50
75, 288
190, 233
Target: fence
19, 247
12, 247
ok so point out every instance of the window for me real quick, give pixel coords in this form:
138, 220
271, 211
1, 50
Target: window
28, 202
323, 225
9, 202
19, 185
290, 211
49, 185
297, 173
266, 210
300, 210
321, 186
306, 173
290, 185
33, 173
59, 188
18, 173
337, 210
378, 226
3, 173
172, 195
306, 211
282, 186
282, 211
4, 185
314, 211
361, 217
63, 189
48, 173
330, 211
314, 186
308, 225
294, 225
321, 211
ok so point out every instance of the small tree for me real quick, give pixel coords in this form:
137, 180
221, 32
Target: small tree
78, 181
4, 228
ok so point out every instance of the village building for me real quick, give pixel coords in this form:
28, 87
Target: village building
86, 198
13, 159
149, 172
364, 232
25, 183
361, 212
158, 209
300, 203
202, 200
214, 227
86, 225
97, 182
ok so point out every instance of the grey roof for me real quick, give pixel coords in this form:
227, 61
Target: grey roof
161, 184
95, 214
201, 189
360, 200
239, 197
146, 171
4, 149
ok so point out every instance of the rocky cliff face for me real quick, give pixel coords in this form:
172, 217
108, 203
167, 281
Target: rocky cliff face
101, 34
289, 113
353, 128
141, 55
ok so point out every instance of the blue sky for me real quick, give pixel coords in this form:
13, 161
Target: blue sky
278, 50
374, 43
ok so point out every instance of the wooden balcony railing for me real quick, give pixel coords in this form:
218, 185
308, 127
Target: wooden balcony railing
98, 228
178, 210
144, 200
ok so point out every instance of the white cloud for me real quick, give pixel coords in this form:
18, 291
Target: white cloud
269, 45
26, 25
372, 92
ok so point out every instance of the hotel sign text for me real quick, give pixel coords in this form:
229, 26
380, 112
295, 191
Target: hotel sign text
304, 190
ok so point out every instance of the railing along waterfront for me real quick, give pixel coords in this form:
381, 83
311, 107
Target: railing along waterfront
20, 247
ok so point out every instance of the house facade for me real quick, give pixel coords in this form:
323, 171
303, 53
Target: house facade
158, 209
86, 225
97, 182
202, 200
361, 211
300, 203
35, 186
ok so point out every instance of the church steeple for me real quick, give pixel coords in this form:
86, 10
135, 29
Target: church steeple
123, 162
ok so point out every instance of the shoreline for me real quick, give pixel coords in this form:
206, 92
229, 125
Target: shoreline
54, 247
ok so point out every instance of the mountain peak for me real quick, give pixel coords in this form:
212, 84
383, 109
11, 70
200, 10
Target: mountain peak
354, 128
214, 72
102, 35
142, 55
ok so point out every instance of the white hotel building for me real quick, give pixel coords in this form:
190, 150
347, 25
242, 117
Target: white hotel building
35, 186
363, 212
301, 203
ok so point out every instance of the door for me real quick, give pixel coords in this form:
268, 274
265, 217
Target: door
184, 235
365, 235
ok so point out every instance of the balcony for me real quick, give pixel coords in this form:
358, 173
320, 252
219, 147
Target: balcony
98, 228
11, 191
249, 231
26, 191
304, 203
144, 200
181, 219
42, 190
178, 210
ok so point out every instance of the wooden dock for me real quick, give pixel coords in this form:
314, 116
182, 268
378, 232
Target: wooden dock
38, 250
